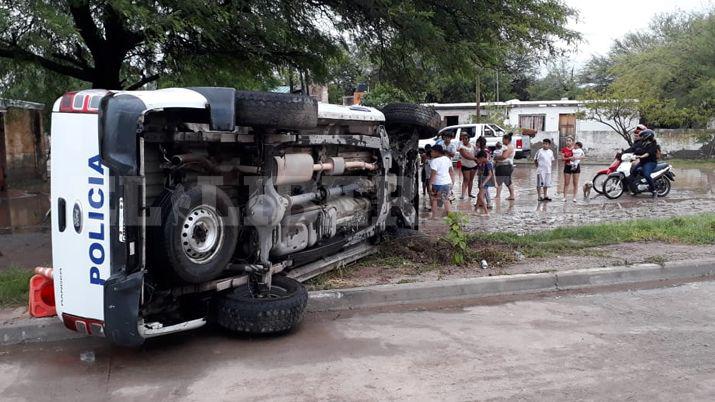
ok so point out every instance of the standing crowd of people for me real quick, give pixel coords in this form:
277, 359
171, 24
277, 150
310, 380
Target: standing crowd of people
449, 159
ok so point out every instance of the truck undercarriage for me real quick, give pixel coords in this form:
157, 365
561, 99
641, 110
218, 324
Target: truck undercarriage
223, 202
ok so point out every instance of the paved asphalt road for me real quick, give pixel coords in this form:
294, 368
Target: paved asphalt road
656, 344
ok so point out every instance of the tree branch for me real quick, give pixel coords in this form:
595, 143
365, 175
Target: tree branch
84, 74
142, 82
82, 17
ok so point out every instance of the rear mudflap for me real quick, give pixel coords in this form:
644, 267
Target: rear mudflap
122, 295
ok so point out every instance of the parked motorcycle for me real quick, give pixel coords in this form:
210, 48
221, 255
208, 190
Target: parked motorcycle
619, 181
603, 174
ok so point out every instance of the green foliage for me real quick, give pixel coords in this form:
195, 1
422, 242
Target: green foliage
495, 115
125, 44
457, 238
614, 109
560, 82
14, 286
383, 94
670, 69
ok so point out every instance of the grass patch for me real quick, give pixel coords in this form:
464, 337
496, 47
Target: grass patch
692, 163
695, 229
14, 286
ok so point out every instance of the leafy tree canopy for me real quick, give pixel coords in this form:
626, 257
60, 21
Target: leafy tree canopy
127, 44
670, 69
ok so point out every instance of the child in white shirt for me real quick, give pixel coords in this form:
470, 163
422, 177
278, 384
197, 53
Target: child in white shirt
578, 154
440, 179
498, 151
543, 159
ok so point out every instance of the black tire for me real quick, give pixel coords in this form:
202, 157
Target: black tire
268, 109
174, 244
613, 187
662, 186
425, 119
237, 310
598, 181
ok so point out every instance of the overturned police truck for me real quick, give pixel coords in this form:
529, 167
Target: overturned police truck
177, 207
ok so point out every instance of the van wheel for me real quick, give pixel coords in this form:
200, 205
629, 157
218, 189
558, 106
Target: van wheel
238, 310
198, 233
425, 119
266, 109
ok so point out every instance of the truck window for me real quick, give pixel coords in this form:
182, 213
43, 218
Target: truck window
452, 131
468, 130
489, 132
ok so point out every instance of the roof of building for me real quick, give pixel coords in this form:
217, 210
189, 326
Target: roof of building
510, 103
20, 104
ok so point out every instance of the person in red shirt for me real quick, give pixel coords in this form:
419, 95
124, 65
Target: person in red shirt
571, 171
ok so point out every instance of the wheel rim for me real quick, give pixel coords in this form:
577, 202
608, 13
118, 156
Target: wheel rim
613, 187
661, 187
202, 234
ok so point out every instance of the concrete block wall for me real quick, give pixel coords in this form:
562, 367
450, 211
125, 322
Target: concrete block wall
599, 141
25, 145
604, 144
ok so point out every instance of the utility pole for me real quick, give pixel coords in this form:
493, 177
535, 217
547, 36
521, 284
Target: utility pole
497, 85
478, 94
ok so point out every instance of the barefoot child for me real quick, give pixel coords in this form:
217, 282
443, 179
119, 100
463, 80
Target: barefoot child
543, 159
440, 179
486, 180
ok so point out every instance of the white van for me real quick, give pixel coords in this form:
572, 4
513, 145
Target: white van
176, 207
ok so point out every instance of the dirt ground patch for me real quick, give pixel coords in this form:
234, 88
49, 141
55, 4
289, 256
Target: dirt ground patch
397, 264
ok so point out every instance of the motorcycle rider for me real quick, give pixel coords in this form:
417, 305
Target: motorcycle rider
646, 157
635, 148
636, 138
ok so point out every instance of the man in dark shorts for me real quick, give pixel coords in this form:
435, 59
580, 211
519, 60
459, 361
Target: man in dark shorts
504, 167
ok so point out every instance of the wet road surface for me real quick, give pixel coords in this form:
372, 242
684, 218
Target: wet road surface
692, 192
652, 344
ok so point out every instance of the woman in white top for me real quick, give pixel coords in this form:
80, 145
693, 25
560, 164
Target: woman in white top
469, 164
504, 167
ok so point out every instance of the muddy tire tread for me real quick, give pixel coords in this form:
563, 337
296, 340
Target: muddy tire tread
262, 316
275, 110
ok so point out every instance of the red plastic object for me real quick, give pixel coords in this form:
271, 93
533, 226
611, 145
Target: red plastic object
42, 297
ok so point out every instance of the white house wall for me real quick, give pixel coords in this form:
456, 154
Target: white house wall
598, 139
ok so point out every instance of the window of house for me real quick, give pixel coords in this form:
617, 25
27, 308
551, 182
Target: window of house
451, 120
532, 121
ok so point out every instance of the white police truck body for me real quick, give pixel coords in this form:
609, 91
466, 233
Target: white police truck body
179, 206
80, 190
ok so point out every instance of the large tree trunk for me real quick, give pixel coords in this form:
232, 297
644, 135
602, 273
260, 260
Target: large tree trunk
107, 77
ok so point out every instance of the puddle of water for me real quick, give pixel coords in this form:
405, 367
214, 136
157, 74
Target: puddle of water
23, 211
692, 193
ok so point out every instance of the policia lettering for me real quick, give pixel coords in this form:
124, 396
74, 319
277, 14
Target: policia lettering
96, 200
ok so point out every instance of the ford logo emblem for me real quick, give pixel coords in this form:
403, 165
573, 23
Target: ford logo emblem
77, 217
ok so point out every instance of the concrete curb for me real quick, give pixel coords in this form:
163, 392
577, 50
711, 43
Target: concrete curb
476, 288
25, 330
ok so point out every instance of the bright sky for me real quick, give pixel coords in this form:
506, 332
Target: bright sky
600, 22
